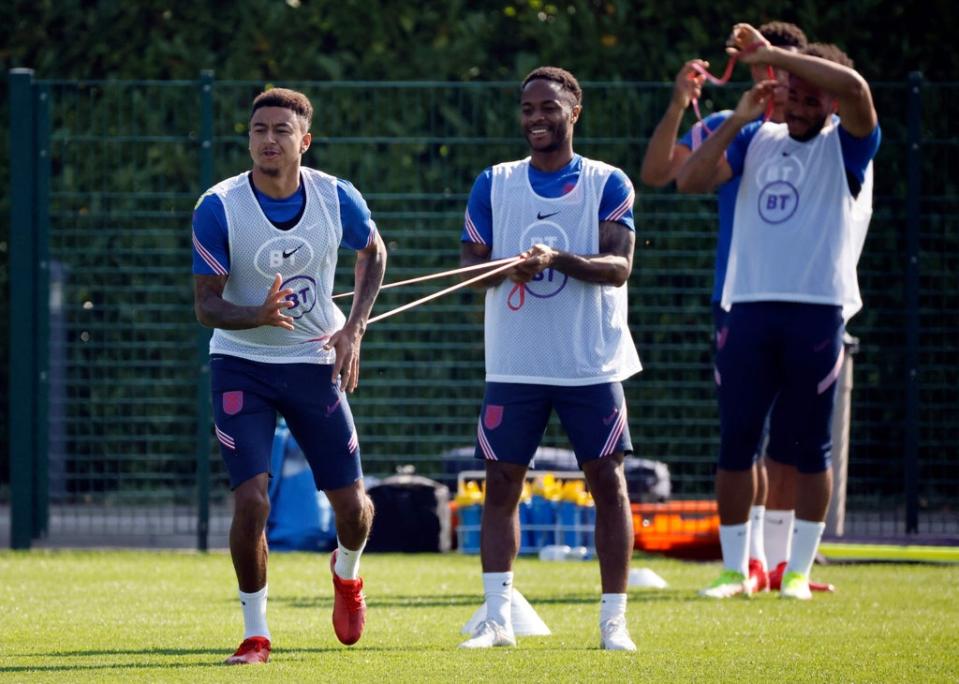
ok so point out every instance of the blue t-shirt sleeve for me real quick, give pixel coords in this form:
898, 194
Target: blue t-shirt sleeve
694, 137
858, 152
359, 228
211, 241
478, 222
617, 201
736, 152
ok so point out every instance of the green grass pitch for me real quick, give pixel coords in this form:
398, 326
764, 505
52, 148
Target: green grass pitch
68, 616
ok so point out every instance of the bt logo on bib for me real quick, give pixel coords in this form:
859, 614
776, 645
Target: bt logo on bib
778, 201
287, 253
549, 282
303, 297
778, 180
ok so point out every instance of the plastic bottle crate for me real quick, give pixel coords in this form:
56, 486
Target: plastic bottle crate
545, 520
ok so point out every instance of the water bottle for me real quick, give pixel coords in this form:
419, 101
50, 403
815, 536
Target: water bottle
563, 552
554, 552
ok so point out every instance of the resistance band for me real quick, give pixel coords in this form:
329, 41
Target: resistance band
434, 276
724, 79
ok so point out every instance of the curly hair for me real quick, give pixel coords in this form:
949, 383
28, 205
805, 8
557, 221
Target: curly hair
557, 75
783, 34
830, 52
293, 100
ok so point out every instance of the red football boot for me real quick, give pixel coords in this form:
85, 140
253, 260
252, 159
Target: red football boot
252, 650
758, 577
349, 606
776, 580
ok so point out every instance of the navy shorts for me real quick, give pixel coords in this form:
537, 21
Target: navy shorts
785, 353
247, 395
719, 327
514, 417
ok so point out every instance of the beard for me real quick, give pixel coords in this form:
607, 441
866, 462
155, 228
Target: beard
811, 131
272, 172
557, 137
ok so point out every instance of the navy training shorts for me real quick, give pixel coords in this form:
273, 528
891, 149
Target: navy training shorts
247, 395
790, 353
514, 417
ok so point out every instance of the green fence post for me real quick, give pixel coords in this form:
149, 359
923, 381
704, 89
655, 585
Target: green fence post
22, 260
203, 335
41, 289
913, 208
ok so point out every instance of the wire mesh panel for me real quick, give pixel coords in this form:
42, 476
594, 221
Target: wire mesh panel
122, 409
125, 173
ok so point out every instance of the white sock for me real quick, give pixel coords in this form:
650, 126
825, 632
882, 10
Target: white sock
734, 540
254, 613
777, 536
757, 549
347, 564
611, 606
498, 591
806, 536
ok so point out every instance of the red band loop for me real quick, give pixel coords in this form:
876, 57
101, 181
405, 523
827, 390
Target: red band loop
521, 289
724, 79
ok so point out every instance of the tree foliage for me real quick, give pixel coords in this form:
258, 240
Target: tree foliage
454, 41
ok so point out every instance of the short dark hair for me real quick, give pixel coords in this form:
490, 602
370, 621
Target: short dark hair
784, 34
293, 100
557, 75
830, 52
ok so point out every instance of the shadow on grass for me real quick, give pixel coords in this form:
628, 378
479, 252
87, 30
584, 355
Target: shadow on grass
453, 600
420, 601
218, 654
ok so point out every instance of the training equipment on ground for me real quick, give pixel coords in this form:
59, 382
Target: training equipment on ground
412, 515
729, 583
349, 606
646, 579
252, 651
524, 618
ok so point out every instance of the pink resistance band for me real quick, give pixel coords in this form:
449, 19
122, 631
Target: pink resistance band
501, 265
724, 79
434, 276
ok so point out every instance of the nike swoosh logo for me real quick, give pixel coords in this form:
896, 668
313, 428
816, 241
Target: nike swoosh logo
287, 255
541, 216
332, 407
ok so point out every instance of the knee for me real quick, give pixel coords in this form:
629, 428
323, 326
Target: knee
251, 506
355, 509
607, 482
503, 487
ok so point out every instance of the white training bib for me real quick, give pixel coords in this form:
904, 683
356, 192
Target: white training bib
798, 230
304, 256
559, 331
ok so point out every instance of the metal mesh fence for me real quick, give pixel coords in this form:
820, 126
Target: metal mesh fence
125, 387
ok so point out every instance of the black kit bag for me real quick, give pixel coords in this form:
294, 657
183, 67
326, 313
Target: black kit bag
412, 515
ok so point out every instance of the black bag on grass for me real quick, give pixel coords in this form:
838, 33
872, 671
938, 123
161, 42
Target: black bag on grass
412, 515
